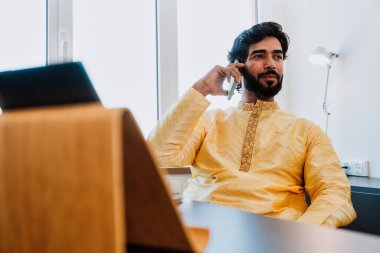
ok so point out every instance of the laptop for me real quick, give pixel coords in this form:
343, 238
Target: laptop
51, 85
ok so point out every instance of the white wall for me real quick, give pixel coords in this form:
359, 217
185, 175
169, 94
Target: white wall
273, 10
349, 28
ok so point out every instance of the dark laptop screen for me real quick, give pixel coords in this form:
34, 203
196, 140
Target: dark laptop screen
44, 86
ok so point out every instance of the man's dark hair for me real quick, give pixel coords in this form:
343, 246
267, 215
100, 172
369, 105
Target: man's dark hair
256, 34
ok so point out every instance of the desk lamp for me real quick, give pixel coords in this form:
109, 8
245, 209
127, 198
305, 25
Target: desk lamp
322, 57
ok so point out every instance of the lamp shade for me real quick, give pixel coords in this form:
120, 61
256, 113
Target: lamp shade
320, 56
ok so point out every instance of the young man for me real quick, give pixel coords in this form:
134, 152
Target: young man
254, 157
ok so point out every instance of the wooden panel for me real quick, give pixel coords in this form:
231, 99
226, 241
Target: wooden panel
148, 198
61, 180
81, 179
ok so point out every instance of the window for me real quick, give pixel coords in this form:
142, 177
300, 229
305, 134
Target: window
23, 33
115, 40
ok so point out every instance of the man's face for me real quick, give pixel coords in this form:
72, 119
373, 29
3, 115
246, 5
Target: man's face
264, 68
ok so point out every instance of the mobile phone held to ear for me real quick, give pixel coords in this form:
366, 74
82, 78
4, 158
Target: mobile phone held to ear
232, 88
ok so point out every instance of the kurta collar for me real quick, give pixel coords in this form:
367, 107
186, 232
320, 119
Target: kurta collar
260, 105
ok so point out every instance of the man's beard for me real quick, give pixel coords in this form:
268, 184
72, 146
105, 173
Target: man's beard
262, 90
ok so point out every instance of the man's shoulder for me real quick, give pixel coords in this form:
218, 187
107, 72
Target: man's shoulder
296, 120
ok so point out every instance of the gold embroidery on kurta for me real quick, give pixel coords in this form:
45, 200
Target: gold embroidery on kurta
250, 134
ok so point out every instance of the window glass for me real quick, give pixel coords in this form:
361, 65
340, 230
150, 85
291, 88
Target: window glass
23, 34
115, 40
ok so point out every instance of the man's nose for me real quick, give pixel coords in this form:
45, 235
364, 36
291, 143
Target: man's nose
269, 63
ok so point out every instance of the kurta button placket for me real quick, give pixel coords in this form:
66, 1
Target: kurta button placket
248, 146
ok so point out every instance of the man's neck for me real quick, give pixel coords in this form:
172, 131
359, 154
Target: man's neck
251, 97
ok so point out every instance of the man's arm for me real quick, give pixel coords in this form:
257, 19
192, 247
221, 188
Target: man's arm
178, 137
326, 184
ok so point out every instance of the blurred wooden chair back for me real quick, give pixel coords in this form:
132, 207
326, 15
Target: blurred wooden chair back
81, 179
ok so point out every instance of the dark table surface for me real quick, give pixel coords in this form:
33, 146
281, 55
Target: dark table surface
365, 184
233, 230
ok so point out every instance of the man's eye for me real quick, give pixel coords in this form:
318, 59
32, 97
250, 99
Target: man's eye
278, 57
257, 56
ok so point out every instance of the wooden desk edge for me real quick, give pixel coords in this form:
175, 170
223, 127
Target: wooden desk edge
177, 170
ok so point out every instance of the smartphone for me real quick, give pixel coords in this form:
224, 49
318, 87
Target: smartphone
232, 88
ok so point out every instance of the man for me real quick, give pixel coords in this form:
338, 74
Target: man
254, 157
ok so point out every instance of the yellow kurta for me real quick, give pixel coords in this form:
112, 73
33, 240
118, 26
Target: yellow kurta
256, 158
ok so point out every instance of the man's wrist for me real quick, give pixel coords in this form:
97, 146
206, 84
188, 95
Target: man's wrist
201, 87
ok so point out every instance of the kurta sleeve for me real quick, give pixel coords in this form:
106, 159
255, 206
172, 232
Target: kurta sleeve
326, 184
179, 135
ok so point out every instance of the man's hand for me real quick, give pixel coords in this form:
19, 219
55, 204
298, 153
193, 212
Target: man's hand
212, 82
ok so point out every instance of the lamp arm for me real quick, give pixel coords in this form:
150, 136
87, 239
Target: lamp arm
326, 89
325, 105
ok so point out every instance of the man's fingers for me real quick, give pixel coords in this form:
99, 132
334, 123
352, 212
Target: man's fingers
234, 68
228, 75
236, 65
236, 74
230, 70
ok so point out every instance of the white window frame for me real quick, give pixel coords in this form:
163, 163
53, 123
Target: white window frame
59, 31
167, 54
